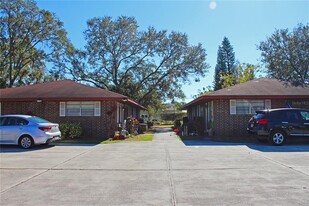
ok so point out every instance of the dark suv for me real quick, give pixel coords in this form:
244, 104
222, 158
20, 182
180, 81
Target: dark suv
275, 125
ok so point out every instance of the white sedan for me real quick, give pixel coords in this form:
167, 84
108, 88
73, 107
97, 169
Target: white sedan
26, 130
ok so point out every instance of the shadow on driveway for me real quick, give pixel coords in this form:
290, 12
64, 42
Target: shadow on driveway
284, 148
16, 148
290, 146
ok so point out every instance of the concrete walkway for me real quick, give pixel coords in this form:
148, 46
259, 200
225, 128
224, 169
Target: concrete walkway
162, 172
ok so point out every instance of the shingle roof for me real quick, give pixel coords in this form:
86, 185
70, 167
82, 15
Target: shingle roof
263, 86
62, 90
258, 88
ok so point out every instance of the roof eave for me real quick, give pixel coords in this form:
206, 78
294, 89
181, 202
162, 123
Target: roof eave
219, 97
59, 99
136, 104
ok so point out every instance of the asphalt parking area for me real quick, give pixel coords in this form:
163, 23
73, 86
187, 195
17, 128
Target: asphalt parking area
162, 172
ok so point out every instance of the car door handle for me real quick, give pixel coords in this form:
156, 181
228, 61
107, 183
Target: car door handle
285, 123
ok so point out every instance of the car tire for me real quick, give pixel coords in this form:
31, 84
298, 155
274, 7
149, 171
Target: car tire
277, 137
25, 141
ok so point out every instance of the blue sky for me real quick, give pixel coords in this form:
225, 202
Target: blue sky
245, 23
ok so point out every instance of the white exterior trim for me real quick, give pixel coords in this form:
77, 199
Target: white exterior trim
62, 109
232, 106
97, 109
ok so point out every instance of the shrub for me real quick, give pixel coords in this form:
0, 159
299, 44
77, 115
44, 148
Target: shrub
196, 125
70, 130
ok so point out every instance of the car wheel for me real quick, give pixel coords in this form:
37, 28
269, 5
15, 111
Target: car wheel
25, 142
277, 137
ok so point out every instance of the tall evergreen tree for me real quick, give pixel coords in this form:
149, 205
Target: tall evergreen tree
220, 69
225, 63
229, 56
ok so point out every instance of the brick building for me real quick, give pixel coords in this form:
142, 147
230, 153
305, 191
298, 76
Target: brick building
99, 111
225, 113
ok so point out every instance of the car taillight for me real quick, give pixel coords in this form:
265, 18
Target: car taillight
45, 128
262, 121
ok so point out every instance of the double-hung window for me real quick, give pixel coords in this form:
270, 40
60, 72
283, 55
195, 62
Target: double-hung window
75, 109
244, 106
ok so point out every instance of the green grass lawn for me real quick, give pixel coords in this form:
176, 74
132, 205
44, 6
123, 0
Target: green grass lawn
141, 137
147, 136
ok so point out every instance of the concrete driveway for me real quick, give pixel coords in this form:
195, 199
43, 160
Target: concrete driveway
162, 172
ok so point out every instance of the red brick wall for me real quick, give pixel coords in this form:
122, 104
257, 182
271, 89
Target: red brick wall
228, 126
95, 128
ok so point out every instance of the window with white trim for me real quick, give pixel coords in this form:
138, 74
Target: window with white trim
76, 109
244, 106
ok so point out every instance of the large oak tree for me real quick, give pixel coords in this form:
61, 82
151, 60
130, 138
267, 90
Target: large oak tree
148, 66
286, 55
30, 39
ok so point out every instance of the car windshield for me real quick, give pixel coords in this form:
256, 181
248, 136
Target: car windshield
38, 120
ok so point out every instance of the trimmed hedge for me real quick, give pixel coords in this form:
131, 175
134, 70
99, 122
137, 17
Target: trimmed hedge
70, 130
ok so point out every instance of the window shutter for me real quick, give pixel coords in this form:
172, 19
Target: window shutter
97, 109
62, 109
267, 104
232, 106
